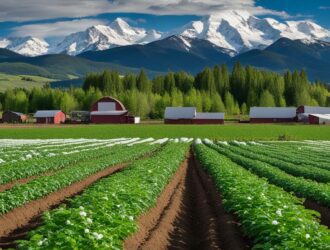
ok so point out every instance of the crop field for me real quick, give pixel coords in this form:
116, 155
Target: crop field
224, 132
179, 193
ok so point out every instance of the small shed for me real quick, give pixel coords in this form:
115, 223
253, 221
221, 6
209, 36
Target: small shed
272, 114
111, 110
319, 118
78, 117
189, 115
303, 112
50, 117
13, 117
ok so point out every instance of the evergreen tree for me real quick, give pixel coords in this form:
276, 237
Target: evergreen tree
142, 83
266, 99
217, 103
230, 103
244, 109
237, 83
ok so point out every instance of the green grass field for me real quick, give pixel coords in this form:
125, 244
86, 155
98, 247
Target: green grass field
16, 81
221, 132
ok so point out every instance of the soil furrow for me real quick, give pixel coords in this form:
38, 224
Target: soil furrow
188, 215
21, 216
15, 224
7, 186
155, 225
324, 211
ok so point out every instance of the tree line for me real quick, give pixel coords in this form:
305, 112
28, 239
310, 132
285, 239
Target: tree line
211, 90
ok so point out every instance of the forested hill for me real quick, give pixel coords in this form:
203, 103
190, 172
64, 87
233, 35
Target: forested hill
211, 90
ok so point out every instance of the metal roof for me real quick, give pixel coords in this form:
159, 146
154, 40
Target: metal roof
210, 116
46, 113
180, 113
322, 116
272, 112
120, 112
316, 110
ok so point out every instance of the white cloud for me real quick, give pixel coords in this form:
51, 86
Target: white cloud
324, 7
27, 10
59, 29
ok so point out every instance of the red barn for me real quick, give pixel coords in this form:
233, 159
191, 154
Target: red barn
272, 114
50, 117
189, 115
13, 117
110, 110
303, 112
319, 118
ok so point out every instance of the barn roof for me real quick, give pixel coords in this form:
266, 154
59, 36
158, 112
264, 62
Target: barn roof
272, 112
111, 99
210, 116
109, 112
46, 113
13, 112
316, 110
322, 116
180, 113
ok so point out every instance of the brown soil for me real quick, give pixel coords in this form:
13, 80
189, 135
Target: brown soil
21, 216
7, 186
324, 211
188, 215
15, 224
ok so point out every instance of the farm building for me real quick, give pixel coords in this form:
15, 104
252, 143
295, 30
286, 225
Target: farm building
272, 114
303, 112
78, 117
319, 118
49, 117
13, 117
110, 110
189, 115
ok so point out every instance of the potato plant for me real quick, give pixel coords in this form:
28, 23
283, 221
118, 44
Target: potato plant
106, 213
273, 218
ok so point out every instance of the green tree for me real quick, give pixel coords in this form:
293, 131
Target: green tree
266, 99
217, 103
142, 83
68, 103
230, 103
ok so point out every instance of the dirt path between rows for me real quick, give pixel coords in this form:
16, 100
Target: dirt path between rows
188, 215
10, 185
21, 216
324, 211
16, 223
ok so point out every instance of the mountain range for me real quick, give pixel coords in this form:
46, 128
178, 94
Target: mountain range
236, 31
227, 37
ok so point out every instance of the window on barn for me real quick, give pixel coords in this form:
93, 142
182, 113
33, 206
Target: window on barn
106, 106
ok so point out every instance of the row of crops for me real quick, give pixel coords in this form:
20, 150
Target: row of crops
264, 184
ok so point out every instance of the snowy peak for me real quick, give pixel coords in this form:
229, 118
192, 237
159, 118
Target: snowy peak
240, 31
101, 37
235, 31
28, 46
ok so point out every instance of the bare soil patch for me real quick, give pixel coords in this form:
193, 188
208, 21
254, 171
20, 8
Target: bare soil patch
324, 211
188, 215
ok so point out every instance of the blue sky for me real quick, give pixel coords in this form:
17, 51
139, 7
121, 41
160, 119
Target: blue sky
45, 18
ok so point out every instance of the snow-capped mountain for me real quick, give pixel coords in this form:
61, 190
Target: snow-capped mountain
240, 31
101, 37
28, 46
232, 31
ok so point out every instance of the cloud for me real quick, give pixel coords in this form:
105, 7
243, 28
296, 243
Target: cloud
324, 7
59, 29
28, 10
